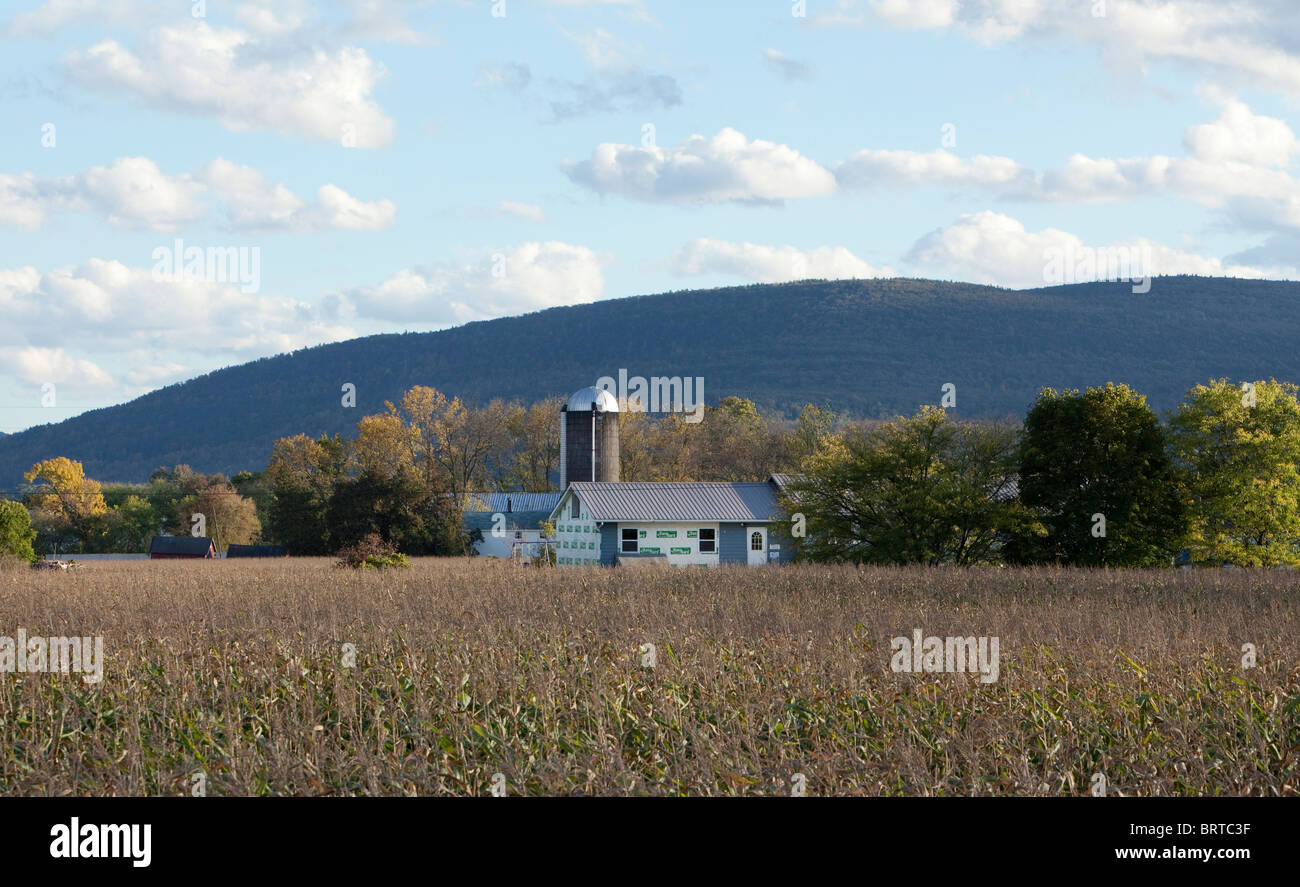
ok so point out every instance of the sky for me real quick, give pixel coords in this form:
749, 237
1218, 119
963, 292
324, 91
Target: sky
191, 184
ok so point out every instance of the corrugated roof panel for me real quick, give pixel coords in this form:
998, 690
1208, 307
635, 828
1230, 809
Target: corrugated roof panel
629, 501
492, 502
523, 520
179, 545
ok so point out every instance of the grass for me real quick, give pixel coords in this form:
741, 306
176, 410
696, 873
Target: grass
463, 669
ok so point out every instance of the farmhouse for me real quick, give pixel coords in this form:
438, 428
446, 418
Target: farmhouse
705, 524
179, 547
508, 523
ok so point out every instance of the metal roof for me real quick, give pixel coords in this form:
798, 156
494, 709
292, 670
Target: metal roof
593, 398
632, 501
515, 520
784, 480
510, 502
196, 545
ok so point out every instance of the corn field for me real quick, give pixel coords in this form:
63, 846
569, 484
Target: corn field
455, 677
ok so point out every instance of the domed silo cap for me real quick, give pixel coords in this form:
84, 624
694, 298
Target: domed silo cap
593, 399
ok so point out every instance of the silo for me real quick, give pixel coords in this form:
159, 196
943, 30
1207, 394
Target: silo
589, 437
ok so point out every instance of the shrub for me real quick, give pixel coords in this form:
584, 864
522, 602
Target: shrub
16, 533
372, 551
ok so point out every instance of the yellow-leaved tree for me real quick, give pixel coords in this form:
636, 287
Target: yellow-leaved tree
65, 503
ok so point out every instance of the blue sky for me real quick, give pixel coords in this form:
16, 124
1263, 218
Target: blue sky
414, 165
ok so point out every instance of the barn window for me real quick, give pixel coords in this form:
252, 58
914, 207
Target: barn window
575, 510
708, 540
756, 541
629, 540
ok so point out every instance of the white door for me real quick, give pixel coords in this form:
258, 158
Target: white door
757, 546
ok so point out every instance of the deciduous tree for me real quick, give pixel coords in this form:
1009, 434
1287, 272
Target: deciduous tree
1095, 468
1240, 448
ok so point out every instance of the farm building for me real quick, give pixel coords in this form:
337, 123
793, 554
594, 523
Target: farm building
508, 522
602, 520
256, 551
175, 547
706, 524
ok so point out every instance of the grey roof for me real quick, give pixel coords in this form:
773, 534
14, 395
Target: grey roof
593, 399
521, 520
784, 480
196, 545
493, 502
633, 501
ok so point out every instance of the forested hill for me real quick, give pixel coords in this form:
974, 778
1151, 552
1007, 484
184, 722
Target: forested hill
866, 347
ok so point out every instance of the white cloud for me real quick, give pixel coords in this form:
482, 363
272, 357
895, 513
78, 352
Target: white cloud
54, 15
148, 376
254, 204
520, 279
1239, 136
726, 167
273, 18
226, 74
1247, 41
105, 327
104, 307
871, 168
787, 67
22, 201
600, 48
42, 365
133, 193
1237, 164
771, 264
530, 212
989, 247
385, 20
917, 13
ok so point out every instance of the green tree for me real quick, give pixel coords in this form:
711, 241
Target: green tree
1095, 468
927, 489
1239, 448
395, 506
301, 475
16, 532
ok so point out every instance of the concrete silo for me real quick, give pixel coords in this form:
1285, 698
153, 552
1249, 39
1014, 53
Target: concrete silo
589, 437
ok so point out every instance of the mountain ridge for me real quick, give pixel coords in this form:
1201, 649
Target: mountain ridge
865, 347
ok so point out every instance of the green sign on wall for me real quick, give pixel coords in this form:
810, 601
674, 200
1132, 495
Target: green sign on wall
679, 551
649, 550
665, 534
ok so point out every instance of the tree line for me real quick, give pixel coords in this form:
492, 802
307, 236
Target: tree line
1092, 478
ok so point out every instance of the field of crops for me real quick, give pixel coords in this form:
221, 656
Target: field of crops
295, 677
